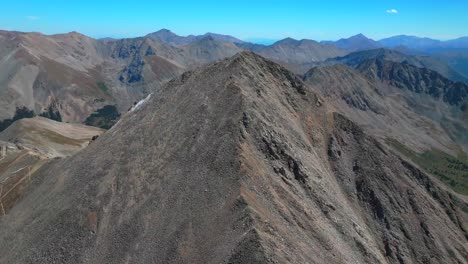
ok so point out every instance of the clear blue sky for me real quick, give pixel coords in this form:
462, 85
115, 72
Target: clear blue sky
320, 20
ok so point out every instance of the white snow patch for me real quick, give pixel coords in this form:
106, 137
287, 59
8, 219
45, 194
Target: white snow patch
140, 103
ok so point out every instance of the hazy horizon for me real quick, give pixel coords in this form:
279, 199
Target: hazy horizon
261, 20
259, 40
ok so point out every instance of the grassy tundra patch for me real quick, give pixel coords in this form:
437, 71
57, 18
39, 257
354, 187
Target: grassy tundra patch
453, 171
103, 87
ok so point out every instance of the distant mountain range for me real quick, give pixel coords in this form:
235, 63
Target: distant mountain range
425, 44
356, 42
453, 52
169, 37
353, 43
75, 78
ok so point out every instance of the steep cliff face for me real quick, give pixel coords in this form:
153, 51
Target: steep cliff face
237, 162
340, 83
427, 94
416, 106
418, 80
383, 110
435, 64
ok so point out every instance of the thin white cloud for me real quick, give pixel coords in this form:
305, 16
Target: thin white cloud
32, 18
392, 11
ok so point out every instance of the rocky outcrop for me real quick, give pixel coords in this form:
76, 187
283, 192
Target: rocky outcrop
133, 72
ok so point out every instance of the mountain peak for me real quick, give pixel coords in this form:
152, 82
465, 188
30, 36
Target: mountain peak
206, 38
222, 37
167, 36
295, 42
359, 36
287, 40
164, 30
246, 57
356, 42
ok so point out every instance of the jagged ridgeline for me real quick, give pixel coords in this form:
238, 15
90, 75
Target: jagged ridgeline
239, 161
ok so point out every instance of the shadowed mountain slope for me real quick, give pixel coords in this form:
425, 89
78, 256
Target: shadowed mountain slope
415, 110
235, 162
427, 93
418, 80
356, 58
414, 105
384, 110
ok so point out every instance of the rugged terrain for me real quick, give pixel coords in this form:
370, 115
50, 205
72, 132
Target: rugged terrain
414, 110
236, 162
68, 77
72, 78
432, 63
398, 100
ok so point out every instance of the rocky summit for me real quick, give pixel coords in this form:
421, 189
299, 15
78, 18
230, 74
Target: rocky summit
239, 161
